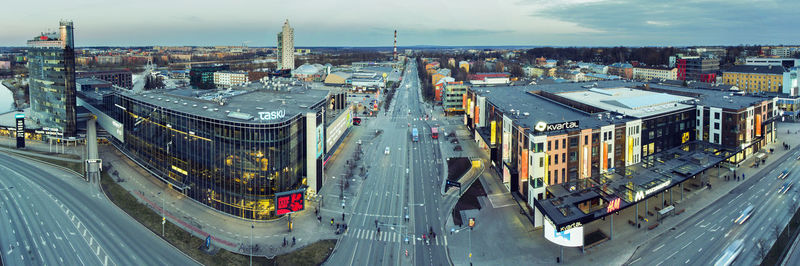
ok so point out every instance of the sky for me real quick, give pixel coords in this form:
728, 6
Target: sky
418, 22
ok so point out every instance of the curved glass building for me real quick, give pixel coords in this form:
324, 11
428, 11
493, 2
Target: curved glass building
232, 150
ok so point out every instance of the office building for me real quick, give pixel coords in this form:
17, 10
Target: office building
765, 61
286, 47
51, 73
697, 68
653, 73
551, 140
230, 150
755, 78
120, 78
202, 76
225, 79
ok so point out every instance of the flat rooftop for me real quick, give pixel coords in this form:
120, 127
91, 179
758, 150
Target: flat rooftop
721, 98
527, 108
628, 101
653, 175
248, 105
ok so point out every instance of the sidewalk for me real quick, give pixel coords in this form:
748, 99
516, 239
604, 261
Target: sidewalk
233, 233
505, 222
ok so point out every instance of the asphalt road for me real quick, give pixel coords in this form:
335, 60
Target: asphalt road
384, 198
701, 239
57, 219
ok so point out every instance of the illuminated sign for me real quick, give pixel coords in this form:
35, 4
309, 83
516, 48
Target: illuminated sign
639, 195
613, 205
272, 115
544, 127
289, 202
685, 137
571, 237
20, 130
541, 126
657, 187
179, 170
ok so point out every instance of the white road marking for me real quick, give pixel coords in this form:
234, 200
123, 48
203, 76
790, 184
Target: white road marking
659, 247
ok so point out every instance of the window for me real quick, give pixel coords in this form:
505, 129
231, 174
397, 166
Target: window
573, 156
556, 145
556, 158
549, 146
541, 162
651, 135
716, 138
716, 116
586, 140
573, 142
564, 143
564, 157
716, 125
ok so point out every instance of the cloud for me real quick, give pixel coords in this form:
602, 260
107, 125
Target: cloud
683, 21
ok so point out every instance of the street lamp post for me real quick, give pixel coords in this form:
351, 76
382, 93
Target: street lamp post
163, 216
251, 244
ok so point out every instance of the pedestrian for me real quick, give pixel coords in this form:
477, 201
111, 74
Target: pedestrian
293, 241
331, 222
284, 241
342, 216
376, 223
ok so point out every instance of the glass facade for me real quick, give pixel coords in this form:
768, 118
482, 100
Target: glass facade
231, 166
51, 72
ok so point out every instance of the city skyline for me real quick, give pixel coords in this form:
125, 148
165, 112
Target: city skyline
518, 23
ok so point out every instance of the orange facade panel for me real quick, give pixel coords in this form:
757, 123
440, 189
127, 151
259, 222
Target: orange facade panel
758, 125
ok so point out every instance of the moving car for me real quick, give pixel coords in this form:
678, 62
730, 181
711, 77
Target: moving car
745, 215
784, 174
785, 187
386, 151
730, 253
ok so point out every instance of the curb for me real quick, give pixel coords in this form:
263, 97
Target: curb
29, 157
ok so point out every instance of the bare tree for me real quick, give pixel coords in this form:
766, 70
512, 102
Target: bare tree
761, 246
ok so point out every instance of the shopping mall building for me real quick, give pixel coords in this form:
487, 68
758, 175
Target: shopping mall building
570, 149
231, 150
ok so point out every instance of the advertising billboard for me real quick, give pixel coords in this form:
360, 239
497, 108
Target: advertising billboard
506, 139
337, 129
20, 130
289, 202
493, 135
567, 238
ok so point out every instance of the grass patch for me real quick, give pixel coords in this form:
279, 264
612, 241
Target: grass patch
74, 166
457, 167
778, 250
314, 254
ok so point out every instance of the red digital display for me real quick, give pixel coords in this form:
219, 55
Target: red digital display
290, 203
43, 38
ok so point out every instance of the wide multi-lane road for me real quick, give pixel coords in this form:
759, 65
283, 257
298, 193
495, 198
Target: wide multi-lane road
404, 182
48, 217
701, 239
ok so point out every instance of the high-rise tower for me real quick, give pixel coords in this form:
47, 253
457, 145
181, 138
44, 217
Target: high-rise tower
286, 47
394, 54
51, 74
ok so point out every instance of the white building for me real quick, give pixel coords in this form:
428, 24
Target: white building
642, 73
286, 47
229, 78
761, 61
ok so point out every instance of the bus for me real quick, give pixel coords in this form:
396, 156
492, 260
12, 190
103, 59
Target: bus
415, 135
434, 133
730, 253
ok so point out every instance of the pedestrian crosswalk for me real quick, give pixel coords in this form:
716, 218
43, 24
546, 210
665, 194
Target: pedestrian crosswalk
394, 237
